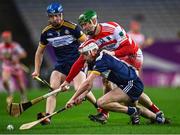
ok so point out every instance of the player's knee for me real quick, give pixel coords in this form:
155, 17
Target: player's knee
100, 103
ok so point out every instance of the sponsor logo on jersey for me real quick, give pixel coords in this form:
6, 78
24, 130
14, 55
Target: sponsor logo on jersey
61, 41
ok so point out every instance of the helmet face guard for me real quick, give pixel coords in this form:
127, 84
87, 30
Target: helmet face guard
88, 46
87, 17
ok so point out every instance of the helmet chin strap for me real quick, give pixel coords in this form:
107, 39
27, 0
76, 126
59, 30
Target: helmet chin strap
95, 25
91, 33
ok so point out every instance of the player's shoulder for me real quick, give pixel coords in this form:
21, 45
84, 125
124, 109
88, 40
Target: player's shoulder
110, 24
46, 28
115, 24
14, 45
69, 24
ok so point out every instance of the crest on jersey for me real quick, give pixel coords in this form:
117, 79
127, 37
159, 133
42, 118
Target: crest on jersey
121, 34
66, 32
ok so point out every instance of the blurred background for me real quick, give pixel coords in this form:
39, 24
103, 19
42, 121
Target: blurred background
157, 20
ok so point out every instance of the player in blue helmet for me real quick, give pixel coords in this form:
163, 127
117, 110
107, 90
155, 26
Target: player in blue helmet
54, 8
55, 13
65, 38
129, 86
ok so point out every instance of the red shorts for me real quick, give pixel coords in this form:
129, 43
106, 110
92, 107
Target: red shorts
15, 70
134, 60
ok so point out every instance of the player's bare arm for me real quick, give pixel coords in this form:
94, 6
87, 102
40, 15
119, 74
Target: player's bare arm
84, 87
22, 55
38, 60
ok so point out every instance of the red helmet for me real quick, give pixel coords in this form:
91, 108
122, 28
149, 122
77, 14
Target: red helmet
88, 45
6, 34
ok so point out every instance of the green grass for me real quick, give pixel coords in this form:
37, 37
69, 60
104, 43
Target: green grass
75, 120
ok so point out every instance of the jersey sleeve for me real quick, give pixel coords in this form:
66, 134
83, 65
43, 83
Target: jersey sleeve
43, 39
78, 32
19, 49
125, 44
120, 35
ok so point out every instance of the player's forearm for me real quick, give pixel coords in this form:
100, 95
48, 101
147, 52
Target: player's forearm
84, 94
38, 61
83, 89
75, 69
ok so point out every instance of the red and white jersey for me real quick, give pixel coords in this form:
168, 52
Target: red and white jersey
112, 36
139, 38
9, 53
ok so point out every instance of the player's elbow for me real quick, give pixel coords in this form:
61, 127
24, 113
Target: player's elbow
23, 55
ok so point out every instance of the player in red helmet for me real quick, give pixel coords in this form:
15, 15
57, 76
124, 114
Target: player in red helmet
10, 54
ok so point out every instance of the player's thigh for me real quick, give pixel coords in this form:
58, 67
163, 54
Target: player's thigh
79, 79
56, 79
6, 75
115, 95
107, 85
20, 77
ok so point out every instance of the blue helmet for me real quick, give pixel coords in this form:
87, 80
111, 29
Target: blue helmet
54, 8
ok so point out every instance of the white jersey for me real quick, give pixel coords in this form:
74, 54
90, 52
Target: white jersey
10, 52
139, 38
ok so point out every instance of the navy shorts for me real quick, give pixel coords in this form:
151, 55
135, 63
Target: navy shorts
63, 68
133, 89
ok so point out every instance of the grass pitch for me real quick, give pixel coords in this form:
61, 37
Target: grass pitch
75, 120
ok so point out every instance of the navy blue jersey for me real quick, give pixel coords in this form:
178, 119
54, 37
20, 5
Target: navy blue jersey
64, 40
119, 73
106, 65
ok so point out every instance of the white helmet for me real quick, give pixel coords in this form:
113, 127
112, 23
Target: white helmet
88, 46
